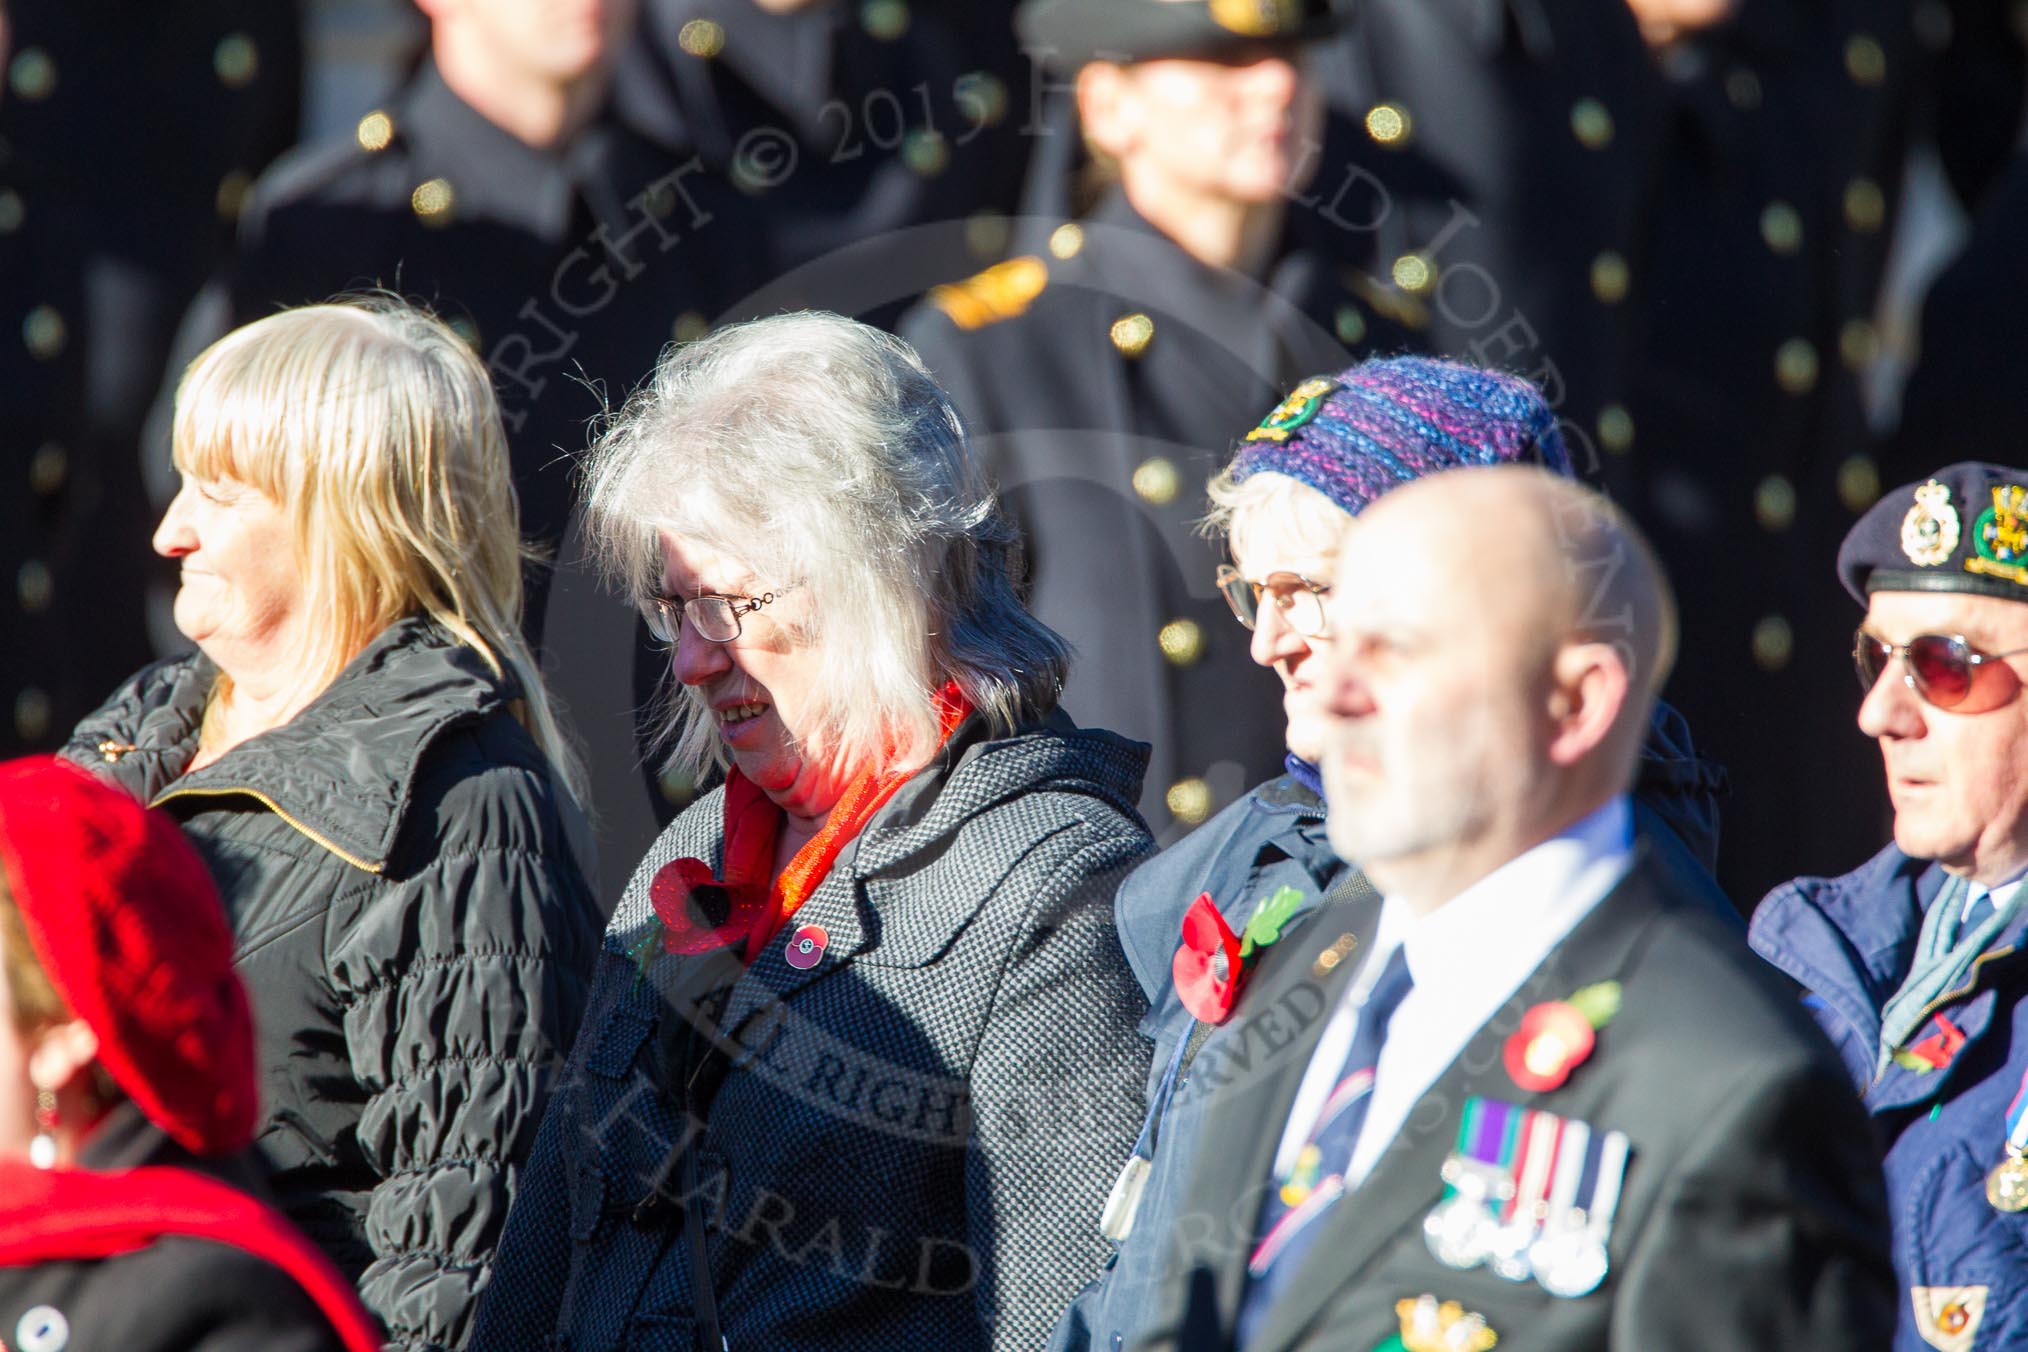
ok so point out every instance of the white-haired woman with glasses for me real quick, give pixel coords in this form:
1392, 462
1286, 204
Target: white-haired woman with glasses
860, 1057
362, 751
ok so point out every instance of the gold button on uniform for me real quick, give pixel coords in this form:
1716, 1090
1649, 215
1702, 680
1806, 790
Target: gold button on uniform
375, 130
1865, 62
1774, 643
1157, 481
1609, 277
45, 333
11, 211
701, 38
1188, 800
1858, 483
1796, 366
32, 74
1066, 240
31, 714
432, 201
1132, 333
1774, 503
1182, 641
1349, 325
33, 586
986, 234
1616, 429
926, 152
884, 19
1781, 225
1414, 273
1388, 124
1591, 122
1865, 205
236, 60
1858, 343
232, 194
981, 95
690, 326
47, 468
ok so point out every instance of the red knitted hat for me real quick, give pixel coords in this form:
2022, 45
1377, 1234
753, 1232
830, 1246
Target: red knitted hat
129, 930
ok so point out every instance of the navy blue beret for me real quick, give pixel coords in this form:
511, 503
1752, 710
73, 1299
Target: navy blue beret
1963, 529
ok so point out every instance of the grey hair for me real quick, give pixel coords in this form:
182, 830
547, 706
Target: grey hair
820, 454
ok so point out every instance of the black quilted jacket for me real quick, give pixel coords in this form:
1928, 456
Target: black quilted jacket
899, 1138
413, 933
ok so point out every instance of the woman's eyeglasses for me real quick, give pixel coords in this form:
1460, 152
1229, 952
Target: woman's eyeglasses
1938, 667
1300, 601
714, 617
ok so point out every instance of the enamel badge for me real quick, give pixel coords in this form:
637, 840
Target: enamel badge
806, 947
1929, 533
1948, 1317
1291, 413
2000, 537
1528, 1194
1430, 1325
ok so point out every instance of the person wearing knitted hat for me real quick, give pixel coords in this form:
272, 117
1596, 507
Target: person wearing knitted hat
128, 1097
1912, 960
1263, 865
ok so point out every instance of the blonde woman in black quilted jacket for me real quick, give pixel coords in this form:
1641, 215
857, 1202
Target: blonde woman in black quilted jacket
362, 751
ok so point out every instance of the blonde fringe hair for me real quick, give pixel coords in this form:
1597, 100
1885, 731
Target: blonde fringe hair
374, 426
1272, 506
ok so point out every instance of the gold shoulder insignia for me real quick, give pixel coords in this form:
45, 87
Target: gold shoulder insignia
1000, 292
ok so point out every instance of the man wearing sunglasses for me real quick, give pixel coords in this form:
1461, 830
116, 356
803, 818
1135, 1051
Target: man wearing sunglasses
1912, 960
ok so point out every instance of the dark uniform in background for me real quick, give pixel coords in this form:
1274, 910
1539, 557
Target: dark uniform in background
1746, 453
128, 137
844, 124
1105, 378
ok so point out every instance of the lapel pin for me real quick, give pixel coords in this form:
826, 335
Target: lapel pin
806, 947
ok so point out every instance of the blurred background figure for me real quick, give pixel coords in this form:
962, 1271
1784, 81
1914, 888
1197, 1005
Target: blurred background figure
129, 1205
1105, 375
363, 752
128, 138
845, 124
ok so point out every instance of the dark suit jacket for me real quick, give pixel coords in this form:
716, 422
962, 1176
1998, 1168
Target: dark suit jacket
1752, 1215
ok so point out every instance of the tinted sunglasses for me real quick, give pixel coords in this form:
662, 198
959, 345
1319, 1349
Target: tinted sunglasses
1938, 667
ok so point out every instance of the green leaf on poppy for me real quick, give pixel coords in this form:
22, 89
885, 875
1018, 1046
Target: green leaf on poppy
1910, 1061
1598, 1003
1264, 926
645, 948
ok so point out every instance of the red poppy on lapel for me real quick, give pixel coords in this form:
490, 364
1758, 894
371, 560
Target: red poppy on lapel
1553, 1039
698, 911
1207, 967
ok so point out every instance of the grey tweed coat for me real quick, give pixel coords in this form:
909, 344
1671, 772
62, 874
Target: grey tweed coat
903, 1140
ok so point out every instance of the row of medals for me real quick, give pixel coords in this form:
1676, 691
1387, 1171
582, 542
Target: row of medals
1551, 1232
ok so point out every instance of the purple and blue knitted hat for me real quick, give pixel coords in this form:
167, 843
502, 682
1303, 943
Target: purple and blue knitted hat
1385, 422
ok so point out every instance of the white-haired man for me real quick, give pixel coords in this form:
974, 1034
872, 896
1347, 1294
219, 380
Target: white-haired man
1554, 1101
1911, 958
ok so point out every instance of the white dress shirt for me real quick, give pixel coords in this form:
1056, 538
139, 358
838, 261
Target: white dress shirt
1467, 958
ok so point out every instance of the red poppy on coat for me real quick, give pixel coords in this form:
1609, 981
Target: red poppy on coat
1207, 967
699, 911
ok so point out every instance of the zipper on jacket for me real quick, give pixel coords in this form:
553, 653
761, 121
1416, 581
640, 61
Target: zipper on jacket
275, 808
